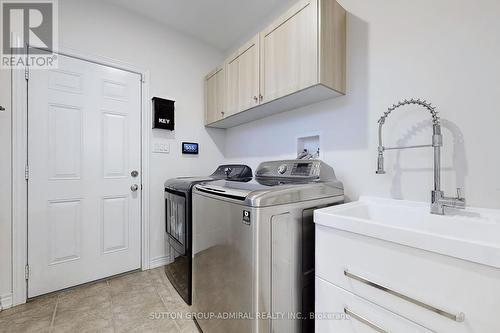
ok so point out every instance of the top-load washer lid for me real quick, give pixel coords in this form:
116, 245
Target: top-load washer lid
280, 182
234, 172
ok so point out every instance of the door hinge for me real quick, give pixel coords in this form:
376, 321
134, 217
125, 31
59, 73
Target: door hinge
27, 73
26, 272
27, 172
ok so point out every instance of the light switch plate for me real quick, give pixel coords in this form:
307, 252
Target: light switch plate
161, 148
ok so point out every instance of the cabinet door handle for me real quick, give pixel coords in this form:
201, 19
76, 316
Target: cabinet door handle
456, 317
255, 99
364, 321
261, 97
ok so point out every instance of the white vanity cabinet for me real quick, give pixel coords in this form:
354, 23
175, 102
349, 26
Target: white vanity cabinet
424, 289
339, 311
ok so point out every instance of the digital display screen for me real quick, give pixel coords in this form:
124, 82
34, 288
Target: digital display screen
301, 169
190, 148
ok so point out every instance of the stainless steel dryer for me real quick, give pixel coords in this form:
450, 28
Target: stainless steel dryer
178, 223
253, 248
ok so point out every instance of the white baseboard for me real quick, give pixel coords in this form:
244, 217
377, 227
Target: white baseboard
159, 261
5, 301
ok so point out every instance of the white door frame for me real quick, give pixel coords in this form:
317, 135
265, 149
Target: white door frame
20, 159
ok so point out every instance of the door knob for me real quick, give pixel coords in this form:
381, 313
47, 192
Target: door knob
2, 108
134, 187
134, 173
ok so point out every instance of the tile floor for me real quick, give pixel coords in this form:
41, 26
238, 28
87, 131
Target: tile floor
136, 302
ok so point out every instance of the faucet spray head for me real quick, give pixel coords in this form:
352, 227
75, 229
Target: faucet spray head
380, 161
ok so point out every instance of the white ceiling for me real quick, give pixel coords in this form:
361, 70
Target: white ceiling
220, 23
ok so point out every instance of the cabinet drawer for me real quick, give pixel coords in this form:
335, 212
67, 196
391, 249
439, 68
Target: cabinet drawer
339, 311
424, 287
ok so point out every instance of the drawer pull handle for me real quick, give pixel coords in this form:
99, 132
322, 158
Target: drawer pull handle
364, 321
458, 318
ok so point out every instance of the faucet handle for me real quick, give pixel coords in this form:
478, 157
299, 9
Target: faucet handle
459, 193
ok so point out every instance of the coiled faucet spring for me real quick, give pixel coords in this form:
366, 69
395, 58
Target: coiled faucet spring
438, 199
424, 103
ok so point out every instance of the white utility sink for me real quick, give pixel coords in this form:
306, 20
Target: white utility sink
472, 234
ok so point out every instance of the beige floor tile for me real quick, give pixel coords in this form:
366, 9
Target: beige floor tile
92, 289
133, 299
38, 307
187, 326
34, 316
97, 320
126, 319
84, 304
157, 326
127, 283
27, 325
137, 302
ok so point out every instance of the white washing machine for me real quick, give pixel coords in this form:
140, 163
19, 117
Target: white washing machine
253, 248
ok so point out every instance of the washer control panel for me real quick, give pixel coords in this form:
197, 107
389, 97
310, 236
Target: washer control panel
302, 169
297, 169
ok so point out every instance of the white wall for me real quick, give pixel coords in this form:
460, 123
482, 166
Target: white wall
446, 51
5, 186
177, 65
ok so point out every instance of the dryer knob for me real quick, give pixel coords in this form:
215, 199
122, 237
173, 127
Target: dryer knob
282, 169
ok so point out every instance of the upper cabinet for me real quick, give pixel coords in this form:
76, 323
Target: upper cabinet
297, 60
289, 52
242, 84
215, 103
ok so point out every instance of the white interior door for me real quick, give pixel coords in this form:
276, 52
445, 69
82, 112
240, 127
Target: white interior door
84, 140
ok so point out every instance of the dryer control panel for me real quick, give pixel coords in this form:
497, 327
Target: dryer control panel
235, 172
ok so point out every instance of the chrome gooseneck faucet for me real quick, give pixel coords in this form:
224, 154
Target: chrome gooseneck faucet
438, 200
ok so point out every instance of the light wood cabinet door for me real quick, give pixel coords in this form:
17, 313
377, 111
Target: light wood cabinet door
248, 79
289, 52
232, 85
242, 84
214, 95
220, 83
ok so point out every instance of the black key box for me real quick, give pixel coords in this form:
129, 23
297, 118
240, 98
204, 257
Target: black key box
163, 113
